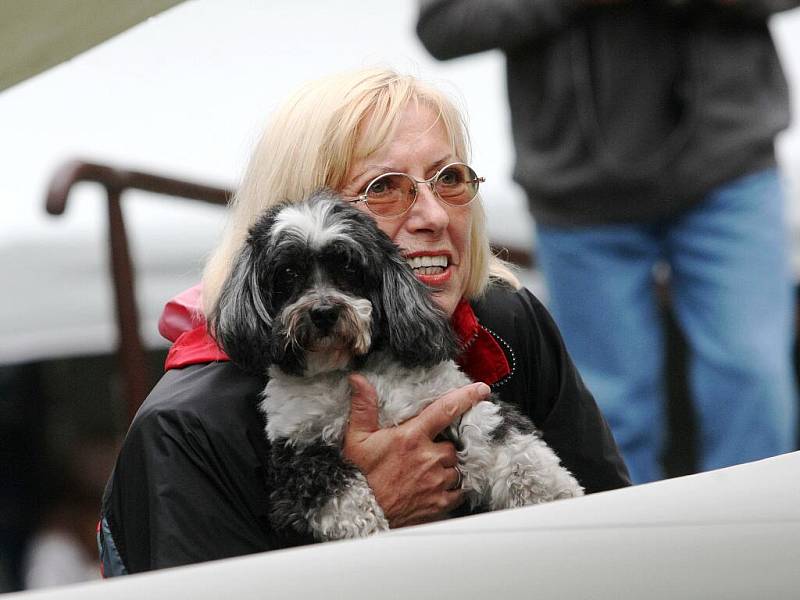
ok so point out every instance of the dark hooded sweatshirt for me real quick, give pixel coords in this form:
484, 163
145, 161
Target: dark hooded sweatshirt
626, 111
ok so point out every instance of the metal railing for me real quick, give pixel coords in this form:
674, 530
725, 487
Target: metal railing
115, 181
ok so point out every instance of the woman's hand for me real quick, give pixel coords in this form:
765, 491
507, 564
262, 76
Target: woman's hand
411, 476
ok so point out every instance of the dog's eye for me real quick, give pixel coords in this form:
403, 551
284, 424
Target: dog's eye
287, 277
354, 272
339, 260
285, 280
290, 275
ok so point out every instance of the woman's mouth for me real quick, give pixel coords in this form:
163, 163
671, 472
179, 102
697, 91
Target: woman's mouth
430, 269
428, 265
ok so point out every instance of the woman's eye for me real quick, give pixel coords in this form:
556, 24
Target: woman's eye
378, 188
449, 177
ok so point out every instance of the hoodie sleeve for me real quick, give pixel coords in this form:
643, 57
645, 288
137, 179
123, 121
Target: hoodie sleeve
452, 28
190, 483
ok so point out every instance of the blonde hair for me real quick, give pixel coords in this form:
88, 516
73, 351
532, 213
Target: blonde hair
311, 142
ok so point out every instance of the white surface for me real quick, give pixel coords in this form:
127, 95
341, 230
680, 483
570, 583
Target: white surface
725, 534
56, 558
186, 94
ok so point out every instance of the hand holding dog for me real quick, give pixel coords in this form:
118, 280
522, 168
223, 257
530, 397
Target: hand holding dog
410, 474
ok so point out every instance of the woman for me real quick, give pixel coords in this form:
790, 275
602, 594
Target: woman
190, 483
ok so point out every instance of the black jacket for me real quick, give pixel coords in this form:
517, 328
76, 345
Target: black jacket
190, 486
626, 111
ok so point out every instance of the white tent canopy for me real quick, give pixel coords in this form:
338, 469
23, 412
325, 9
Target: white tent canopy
40, 35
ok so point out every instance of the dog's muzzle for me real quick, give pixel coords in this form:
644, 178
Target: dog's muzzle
328, 322
324, 317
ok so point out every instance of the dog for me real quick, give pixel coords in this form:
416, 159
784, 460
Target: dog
318, 291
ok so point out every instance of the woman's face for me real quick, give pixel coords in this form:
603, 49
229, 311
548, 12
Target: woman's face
429, 228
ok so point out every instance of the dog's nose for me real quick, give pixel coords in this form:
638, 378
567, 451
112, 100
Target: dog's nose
324, 317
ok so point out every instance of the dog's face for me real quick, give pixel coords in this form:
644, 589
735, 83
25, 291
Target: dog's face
318, 285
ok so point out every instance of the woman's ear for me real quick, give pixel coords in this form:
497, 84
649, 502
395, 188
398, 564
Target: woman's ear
418, 331
240, 321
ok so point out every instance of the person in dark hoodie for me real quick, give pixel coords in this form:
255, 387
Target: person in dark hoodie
191, 482
644, 136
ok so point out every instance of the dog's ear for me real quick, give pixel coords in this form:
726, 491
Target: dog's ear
418, 331
240, 321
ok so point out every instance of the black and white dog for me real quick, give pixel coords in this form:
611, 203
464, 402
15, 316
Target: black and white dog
318, 291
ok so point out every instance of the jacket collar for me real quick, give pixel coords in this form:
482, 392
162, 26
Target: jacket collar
182, 323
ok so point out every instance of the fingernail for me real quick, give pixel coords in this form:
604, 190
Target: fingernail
482, 389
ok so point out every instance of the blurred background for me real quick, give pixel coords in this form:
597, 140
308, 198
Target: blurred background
179, 90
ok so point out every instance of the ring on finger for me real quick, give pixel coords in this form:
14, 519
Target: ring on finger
460, 479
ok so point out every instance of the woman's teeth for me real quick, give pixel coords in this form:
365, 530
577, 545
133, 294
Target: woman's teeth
428, 265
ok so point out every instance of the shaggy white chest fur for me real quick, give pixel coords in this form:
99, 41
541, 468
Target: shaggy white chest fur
311, 409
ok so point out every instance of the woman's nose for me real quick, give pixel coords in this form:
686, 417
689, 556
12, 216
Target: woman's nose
428, 212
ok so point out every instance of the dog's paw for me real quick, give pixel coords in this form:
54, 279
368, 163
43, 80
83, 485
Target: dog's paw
359, 526
527, 471
352, 513
527, 485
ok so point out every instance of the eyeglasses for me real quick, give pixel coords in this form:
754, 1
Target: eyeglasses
393, 194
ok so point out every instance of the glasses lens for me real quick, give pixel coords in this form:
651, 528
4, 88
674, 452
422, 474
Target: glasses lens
457, 184
391, 194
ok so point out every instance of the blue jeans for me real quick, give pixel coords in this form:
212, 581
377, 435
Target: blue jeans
732, 295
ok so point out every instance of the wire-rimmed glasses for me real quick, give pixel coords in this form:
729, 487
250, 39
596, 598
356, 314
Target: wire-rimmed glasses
393, 194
